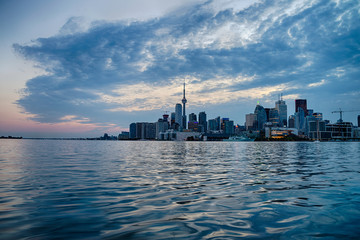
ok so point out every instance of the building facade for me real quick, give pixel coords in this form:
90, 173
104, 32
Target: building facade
202, 122
261, 116
301, 103
281, 107
251, 122
178, 114
274, 117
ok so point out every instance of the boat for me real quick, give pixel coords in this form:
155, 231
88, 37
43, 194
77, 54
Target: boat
239, 139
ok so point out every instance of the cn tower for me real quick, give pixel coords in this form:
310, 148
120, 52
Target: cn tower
184, 114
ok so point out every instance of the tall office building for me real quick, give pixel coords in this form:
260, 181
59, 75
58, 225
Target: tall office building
145, 130
300, 119
251, 121
291, 122
227, 126
301, 103
184, 101
274, 117
202, 122
217, 120
223, 122
281, 107
193, 123
261, 116
161, 126
132, 132
267, 110
178, 114
192, 117
212, 124
172, 120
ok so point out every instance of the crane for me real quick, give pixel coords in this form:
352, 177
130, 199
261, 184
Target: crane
341, 112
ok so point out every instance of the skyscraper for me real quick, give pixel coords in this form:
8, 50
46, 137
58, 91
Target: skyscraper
281, 107
223, 122
291, 122
161, 126
178, 114
261, 116
274, 117
251, 121
202, 122
184, 101
212, 125
227, 126
192, 117
132, 131
300, 119
301, 103
217, 120
172, 120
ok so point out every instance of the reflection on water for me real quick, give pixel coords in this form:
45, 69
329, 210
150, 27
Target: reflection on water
178, 190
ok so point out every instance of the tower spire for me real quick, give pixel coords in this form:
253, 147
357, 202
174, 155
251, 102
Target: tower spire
184, 92
184, 113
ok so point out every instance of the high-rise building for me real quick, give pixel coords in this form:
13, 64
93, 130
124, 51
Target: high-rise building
217, 120
228, 127
192, 117
223, 122
184, 101
212, 125
251, 121
132, 131
140, 130
202, 122
172, 120
267, 110
274, 117
281, 107
178, 114
301, 103
291, 122
193, 125
300, 119
261, 116
161, 126
150, 131
145, 130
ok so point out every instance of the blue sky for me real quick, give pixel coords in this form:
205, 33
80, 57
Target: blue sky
97, 69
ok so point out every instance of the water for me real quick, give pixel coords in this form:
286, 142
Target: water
179, 190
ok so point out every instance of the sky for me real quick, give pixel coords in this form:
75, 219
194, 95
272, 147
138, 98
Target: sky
83, 68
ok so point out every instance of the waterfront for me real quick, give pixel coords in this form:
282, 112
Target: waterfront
53, 189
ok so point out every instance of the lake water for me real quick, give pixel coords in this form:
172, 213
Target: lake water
63, 189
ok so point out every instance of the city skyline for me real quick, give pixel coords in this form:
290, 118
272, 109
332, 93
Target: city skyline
85, 68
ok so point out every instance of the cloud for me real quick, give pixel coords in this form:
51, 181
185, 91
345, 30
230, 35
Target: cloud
105, 72
317, 84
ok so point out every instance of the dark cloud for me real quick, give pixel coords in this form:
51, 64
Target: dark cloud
301, 48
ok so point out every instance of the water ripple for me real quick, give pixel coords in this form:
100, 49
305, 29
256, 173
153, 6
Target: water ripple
178, 190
